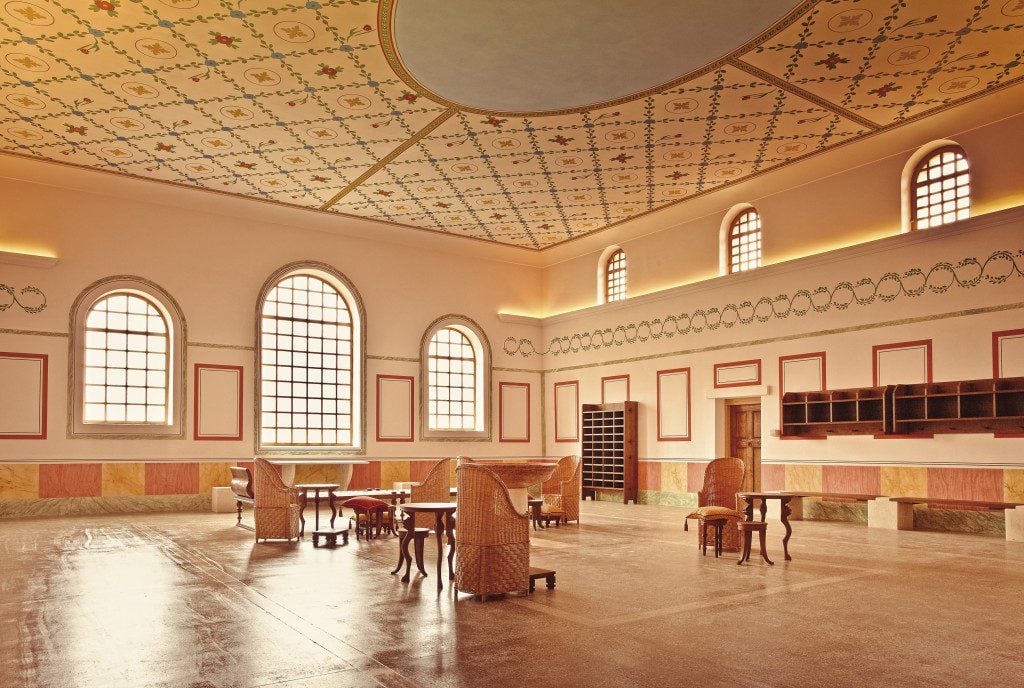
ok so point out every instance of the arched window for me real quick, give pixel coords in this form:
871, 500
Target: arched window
128, 361
310, 366
744, 247
615, 277
940, 188
456, 379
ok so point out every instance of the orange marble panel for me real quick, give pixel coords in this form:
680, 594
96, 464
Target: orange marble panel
124, 479
650, 475
365, 475
982, 484
172, 478
70, 480
695, 475
852, 479
19, 481
418, 470
773, 476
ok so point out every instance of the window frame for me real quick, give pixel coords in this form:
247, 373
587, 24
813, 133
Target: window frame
481, 345
177, 382
354, 301
602, 274
734, 225
912, 185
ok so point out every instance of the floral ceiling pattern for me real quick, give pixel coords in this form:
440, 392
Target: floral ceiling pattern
304, 104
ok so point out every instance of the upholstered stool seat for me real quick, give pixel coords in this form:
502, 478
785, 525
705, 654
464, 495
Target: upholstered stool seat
370, 513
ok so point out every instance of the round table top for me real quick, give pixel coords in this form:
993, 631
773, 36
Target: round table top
413, 507
318, 486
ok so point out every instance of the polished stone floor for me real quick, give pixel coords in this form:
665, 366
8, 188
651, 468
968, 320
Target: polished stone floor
188, 601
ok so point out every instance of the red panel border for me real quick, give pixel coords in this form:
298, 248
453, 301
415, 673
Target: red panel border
43, 396
195, 402
996, 336
412, 408
782, 388
554, 404
615, 377
501, 411
717, 366
926, 343
997, 373
689, 413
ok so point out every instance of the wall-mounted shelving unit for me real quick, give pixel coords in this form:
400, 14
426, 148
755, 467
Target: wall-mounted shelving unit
861, 411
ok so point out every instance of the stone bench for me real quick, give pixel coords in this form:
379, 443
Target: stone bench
897, 513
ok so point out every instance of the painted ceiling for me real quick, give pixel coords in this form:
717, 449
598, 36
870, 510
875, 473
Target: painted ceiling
310, 104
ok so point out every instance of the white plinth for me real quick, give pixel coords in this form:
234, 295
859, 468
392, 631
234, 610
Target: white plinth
1015, 524
223, 500
398, 486
889, 515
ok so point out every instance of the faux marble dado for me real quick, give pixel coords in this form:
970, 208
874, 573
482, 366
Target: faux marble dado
19, 481
803, 477
69, 480
1013, 485
773, 476
172, 478
905, 481
674, 477
984, 484
851, 479
393, 472
681, 499
213, 475
123, 479
649, 475
73, 506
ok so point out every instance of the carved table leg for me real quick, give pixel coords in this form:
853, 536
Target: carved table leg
403, 546
439, 531
764, 509
302, 513
316, 509
764, 552
334, 510
785, 511
450, 528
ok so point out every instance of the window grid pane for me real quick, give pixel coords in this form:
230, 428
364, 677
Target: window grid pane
615, 289
745, 242
451, 384
126, 362
942, 190
306, 373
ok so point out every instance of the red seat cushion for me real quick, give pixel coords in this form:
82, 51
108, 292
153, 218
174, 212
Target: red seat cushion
365, 504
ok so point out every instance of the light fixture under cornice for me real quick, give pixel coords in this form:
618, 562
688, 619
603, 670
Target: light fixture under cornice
31, 260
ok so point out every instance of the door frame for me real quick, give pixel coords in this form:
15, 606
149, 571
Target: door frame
727, 428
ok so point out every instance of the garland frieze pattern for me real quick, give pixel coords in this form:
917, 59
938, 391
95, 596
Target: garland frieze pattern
36, 299
299, 102
997, 268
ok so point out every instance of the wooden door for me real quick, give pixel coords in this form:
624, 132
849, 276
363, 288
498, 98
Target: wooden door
745, 441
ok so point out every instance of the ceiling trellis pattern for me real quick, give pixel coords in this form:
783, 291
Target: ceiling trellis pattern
298, 103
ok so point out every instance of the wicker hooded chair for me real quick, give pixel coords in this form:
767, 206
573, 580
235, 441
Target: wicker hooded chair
565, 503
492, 550
275, 505
436, 487
722, 480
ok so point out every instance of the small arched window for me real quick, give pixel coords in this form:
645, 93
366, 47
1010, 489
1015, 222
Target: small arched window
310, 361
456, 379
940, 189
615, 277
128, 361
744, 245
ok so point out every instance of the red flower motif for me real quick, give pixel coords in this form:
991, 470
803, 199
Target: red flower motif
84, 51
164, 147
677, 175
622, 157
560, 140
328, 71
247, 165
221, 39
494, 121
104, 5
409, 96
76, 129
444, 205
383, 193
367, 27
883, 91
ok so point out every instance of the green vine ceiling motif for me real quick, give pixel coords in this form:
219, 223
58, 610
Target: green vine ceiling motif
940, 278
8, 291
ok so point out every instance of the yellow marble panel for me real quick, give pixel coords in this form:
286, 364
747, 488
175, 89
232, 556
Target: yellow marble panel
214, 475
123, 479
673, 476
393, 472
802, 477
1013, 485
19, 481
309, 474
905, 481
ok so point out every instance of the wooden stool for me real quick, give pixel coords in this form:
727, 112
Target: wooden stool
718, 524
330, 537
747, 529
547, 574
419, 536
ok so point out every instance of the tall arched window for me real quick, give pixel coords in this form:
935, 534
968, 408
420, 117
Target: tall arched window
311, 380
940, 188
456, 379
615, 277
128, 361
744, 248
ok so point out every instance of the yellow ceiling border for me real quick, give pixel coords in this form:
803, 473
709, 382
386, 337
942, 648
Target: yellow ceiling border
386, 32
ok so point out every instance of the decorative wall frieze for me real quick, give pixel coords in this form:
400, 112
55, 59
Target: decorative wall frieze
998, 268
29, 299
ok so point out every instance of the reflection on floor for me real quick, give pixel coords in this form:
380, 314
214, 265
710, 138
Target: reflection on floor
188, 601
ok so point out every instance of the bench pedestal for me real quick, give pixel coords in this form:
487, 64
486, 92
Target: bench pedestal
1015, 524
222, 500
890, 515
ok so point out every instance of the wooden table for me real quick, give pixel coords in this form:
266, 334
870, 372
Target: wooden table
442, 511
535, 509
784, 510
316, 488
